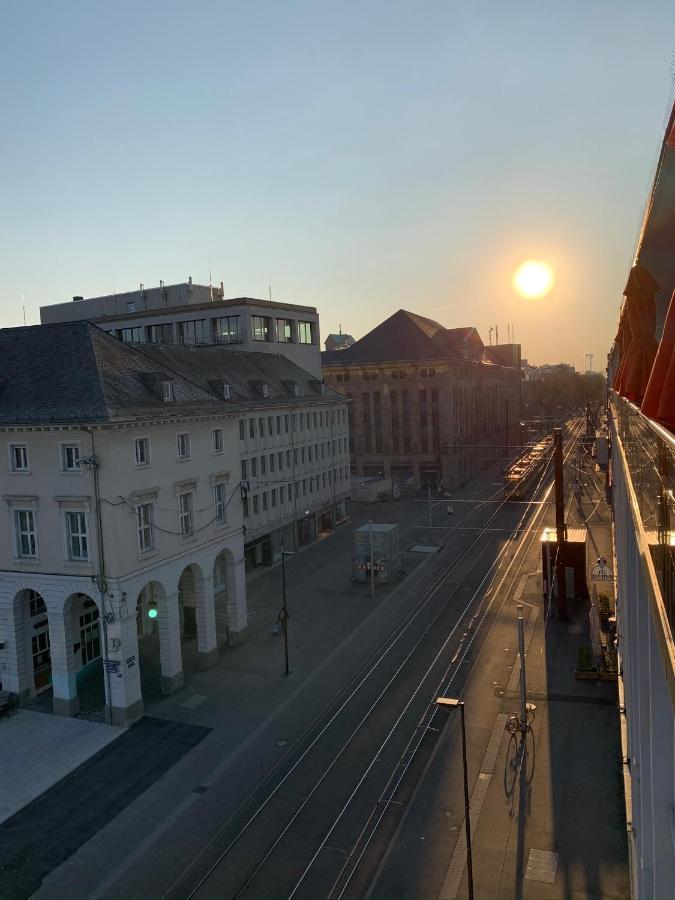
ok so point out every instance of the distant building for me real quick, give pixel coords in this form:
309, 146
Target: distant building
195, 314
430, 405
338, 341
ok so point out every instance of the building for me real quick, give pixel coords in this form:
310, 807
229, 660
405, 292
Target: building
139, 482
338, 341
642, 417
293, 443
122, 535
195, 314
429, 404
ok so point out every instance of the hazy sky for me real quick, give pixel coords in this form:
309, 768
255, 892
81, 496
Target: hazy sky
364, 156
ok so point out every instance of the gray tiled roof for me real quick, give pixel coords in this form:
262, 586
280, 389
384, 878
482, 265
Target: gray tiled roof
405, 336
75, 372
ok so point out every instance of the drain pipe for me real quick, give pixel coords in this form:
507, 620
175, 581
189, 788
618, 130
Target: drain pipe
91, 463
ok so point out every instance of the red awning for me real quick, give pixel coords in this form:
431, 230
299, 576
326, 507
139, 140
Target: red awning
659, 398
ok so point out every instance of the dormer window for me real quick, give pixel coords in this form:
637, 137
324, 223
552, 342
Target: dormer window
227, 392
168, 391
296, 389
265, 390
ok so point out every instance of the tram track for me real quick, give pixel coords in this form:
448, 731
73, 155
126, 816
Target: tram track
270, 850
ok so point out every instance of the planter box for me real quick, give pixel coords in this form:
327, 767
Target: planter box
586, 675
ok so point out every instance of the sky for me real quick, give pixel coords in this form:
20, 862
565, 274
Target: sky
359, 157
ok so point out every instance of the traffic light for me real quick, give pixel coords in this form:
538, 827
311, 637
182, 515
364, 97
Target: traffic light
152, 609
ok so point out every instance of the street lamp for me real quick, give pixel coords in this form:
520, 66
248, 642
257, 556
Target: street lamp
283, 615
452, 703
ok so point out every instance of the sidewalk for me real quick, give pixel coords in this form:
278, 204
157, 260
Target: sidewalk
547, 812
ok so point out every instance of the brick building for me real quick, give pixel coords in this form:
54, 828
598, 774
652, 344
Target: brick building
429, 403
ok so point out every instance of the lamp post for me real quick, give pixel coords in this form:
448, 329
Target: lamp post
283, 615
453, 703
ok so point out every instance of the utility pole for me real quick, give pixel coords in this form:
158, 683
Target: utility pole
372, 561
521, 651
559, 522
431, 528
283, 615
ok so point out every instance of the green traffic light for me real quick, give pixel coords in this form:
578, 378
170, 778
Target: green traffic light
152, 613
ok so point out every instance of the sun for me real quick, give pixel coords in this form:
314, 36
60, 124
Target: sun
533, 279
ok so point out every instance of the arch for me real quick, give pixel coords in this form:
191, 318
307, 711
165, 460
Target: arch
223, 574
191, 589
33, 642
84, 640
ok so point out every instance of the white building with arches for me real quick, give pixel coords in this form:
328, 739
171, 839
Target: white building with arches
121, 531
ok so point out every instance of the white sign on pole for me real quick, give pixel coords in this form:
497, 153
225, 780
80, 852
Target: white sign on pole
601, 572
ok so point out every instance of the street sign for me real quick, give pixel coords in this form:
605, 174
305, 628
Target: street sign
601, 572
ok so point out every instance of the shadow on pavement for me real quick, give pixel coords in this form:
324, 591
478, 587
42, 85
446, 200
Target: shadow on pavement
51, 828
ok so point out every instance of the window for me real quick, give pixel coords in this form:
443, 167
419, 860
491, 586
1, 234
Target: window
271, 462
244, 504
251, 428
185, 513
255, 505
18, 457
76, 532
282, 498
278, 424
242, 429
254, 467
131, 306
270, 426
260, 326
226, 330
285, 330
70, 457
217, 440
274, 497
308, 422
244, 470
288, 458
37, 605
90, 635
145, 514
168, 391
219, 503
305, 332
302, 454
286, 423
142, 451
193, 332
280, 460
264, 501
263, 465
183, 445
261, 427
315, 417
24, 523
160, 334
131, 335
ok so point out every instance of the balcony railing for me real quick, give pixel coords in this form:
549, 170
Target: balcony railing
650, 455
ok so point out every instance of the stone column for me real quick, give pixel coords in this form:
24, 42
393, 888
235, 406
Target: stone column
207, 643
171, 662
236, 600
125, 699
64, 665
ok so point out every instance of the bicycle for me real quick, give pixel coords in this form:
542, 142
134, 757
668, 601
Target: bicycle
514, 723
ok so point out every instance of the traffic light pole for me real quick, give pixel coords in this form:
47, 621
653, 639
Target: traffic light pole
372, 561
559, 522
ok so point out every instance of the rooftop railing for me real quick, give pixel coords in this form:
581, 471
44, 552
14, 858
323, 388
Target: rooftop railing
649, 450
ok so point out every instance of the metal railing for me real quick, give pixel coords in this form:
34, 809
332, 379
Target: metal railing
649, 450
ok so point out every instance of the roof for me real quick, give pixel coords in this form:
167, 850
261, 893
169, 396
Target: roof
406, 336
76, 373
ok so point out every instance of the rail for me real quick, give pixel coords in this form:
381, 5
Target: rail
649, 451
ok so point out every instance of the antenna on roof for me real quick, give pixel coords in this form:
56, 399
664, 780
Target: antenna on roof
210, 283
340, 329
269, 287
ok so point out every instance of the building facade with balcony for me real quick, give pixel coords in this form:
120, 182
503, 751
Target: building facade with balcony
642, 415
193, 314
430, 405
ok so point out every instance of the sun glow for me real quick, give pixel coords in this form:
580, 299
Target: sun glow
533, 279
